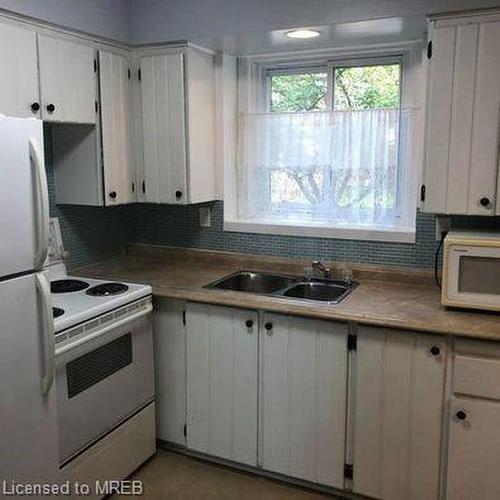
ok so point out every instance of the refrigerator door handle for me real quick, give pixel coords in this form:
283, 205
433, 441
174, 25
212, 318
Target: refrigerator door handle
47, 330
42, 203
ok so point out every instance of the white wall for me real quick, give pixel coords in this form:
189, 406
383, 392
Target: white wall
160, 20
108, 18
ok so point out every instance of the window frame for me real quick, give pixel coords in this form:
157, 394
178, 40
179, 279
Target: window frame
408, 58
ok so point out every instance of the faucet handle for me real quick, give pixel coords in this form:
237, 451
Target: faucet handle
308, 272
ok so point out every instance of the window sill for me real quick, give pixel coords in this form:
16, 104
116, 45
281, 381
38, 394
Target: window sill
396, 235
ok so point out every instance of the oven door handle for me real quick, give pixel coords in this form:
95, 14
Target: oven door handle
103, 331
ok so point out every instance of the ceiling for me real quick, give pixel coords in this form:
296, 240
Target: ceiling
246, 26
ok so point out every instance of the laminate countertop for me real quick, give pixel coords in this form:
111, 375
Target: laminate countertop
407, 299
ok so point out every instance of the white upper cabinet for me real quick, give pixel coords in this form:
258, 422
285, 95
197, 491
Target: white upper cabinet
463, 116
178, 94
398, 410
303, 398
19, 72
116, 104
67, 80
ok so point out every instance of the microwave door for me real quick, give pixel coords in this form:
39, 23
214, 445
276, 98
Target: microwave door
474, 276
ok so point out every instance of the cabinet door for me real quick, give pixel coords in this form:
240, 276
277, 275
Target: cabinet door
463, 116
19, 70
303, 398
163, 123
473, 450
398, 406
116, 109
67, 81
222, 382
170, 363
486, 123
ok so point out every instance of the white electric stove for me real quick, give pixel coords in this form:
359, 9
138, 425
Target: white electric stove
104, 370
76, 300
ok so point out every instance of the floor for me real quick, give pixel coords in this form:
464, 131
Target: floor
176, 477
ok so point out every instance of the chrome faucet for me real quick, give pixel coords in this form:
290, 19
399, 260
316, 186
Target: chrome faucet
327, 272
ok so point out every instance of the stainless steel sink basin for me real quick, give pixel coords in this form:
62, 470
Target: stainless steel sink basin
314, 290
248, 281
289, 287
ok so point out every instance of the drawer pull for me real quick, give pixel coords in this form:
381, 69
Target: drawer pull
461, 415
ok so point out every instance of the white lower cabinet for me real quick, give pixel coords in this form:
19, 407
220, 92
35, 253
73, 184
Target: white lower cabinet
398, 408
221, 370
303, 398
170, 362
474, 450
474, 423
285, 394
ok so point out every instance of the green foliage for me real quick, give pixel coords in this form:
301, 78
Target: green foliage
366, 87
298, 92
362, 87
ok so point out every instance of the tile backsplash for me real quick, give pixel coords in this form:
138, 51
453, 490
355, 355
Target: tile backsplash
175, 225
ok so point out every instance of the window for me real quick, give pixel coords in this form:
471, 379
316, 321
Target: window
298, 91
329, 155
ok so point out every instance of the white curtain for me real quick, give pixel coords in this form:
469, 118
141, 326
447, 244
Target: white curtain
336, 167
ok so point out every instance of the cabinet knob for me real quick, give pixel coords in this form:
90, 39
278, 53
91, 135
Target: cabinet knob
249, 323
178, 194
113, 194
461, 415
268, 326
51, 108
35, 107
485, 202
435, 350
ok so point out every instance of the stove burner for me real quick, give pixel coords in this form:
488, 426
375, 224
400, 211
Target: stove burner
66, 286
57, 311
107, 289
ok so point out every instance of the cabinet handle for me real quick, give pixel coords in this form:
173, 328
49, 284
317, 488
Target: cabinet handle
461, 415
268, 326
249, 323
485, 202
178, 194
51, 108
35, 107
133, 187
435, 350
113, 194
144, 187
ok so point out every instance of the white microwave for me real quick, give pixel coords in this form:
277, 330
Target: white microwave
471, 270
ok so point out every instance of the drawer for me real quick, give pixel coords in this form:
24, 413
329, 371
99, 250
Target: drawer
475, 376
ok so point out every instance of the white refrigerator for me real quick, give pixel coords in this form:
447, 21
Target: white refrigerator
28, 423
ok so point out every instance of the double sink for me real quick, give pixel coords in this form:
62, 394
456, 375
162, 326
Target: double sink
292, 287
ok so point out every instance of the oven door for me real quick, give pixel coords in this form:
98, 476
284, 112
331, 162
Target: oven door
103, 381
471, 277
